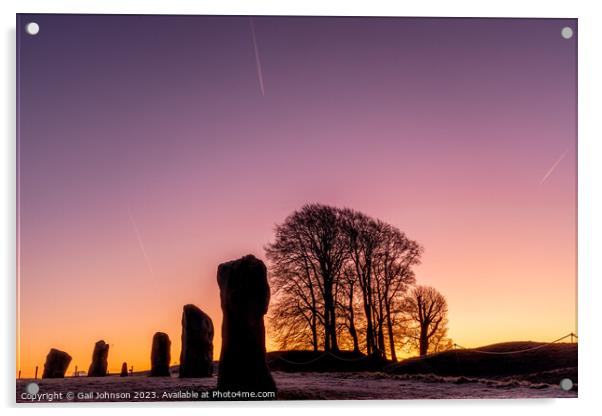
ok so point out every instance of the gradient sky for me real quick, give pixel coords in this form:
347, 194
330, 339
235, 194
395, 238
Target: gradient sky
152, 148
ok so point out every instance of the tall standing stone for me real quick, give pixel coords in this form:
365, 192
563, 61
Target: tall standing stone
56, 364
98, 368
245, 296
160, 355
196, 358
124, 370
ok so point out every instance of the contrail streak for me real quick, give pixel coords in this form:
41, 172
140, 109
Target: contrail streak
139, 238
257, 61
545, 177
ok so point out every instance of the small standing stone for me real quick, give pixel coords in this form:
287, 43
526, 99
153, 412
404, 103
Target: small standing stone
98, 368
196, 358
56, 364
124, 370
245, 296
160, 355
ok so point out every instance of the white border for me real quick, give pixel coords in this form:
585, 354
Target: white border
590, 200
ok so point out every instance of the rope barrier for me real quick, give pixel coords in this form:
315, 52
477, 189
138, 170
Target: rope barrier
517, 351
296, 363
349, 359
318, 358
456, 347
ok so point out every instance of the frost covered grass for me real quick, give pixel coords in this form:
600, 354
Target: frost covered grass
309, 375
301, 386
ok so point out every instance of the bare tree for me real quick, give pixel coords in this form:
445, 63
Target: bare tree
308, 249
361, 239
440, 341
393, 262
426, 325
348, 305
295, 314
382, 258
339, 278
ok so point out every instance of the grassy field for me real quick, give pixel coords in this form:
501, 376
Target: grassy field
487, 372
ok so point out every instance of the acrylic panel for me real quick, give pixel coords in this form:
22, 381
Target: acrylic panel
295, 208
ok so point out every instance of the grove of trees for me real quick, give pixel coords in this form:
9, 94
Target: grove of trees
343, 280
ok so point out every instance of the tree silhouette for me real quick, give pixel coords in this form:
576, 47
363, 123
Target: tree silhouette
361, 240
348, 305
307, 257
382, 258
393, 274
337, 274
426, 324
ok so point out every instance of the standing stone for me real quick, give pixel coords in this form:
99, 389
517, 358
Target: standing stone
124, 370
160, 355
56, 364
244, 295
196, 358
98, 368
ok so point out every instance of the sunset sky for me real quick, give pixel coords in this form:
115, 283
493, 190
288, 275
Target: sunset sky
153, 148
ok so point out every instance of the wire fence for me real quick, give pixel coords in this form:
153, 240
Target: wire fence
318, 358
572, 335
280, 358
456, 348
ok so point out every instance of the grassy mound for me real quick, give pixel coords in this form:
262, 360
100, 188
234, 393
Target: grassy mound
548, 362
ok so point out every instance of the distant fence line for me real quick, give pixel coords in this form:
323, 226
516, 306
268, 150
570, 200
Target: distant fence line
572, 335
319, 357
456, 346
